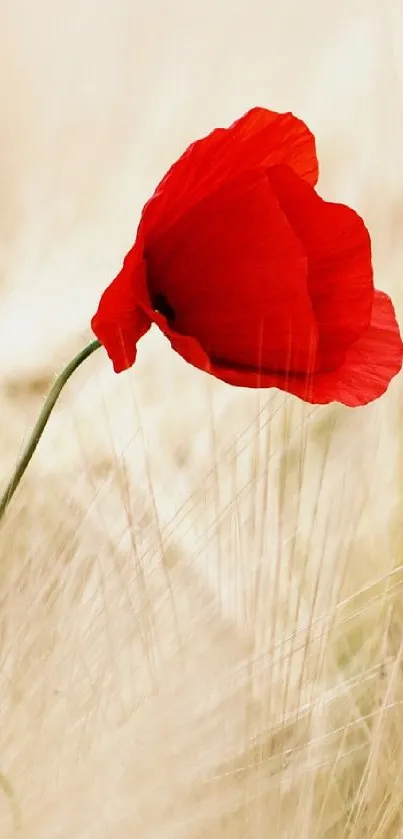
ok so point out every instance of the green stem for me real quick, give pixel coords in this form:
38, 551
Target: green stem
41, 423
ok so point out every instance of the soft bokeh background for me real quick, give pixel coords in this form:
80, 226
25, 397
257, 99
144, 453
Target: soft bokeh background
201, 588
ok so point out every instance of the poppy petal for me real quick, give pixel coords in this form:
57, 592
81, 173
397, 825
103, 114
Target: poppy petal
260, 138
234, 275
271, 139
340, 276
372, 361
187, 346
369, 366
122, 317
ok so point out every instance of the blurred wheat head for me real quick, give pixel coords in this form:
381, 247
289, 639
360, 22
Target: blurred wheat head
201, 588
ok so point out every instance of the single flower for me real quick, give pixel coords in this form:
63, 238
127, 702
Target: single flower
251, 275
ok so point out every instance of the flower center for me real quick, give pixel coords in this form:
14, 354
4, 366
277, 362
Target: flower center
161, 305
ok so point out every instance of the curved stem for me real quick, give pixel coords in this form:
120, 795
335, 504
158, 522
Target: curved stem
42, 422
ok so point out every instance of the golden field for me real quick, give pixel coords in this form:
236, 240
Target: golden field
201, 587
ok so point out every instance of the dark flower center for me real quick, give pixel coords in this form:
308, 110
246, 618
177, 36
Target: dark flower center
161, 305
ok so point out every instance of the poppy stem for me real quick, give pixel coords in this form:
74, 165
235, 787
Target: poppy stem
41, 423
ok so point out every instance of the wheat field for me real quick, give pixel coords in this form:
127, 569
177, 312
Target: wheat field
201, 587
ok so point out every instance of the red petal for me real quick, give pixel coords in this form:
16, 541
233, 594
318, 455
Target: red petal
340, 277
187, 347
260, 138
122, 318
369, 366
372, 361
271, 139
235, 275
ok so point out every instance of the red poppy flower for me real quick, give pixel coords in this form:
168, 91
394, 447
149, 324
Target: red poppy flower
251, 275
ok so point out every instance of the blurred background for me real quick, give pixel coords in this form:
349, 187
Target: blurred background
201, 588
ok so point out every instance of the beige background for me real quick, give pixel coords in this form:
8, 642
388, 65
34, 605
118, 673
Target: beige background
201, 595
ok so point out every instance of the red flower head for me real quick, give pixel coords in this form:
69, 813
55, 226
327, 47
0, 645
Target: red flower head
251, 275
